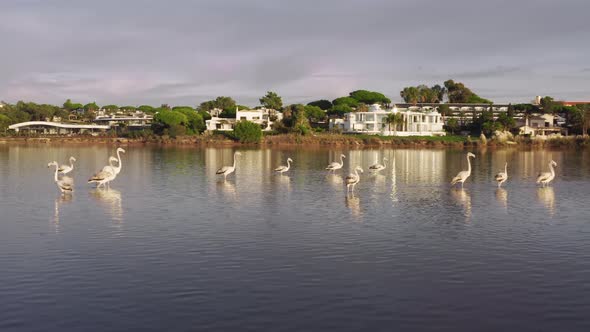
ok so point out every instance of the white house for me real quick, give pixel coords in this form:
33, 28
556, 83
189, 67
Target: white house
263, 116
423, 122
540, 125
221, 124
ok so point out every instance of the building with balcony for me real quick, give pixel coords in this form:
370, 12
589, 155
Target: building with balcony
424, 122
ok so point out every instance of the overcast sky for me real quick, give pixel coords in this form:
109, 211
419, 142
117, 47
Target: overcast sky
183, 52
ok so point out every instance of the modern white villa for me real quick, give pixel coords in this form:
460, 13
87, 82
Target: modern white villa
136, 120
55, 128
263, 116
427, 122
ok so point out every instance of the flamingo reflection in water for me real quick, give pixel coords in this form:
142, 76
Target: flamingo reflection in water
502, 197
284, 181
464, 199
111, 200
335, 180
546, 196
228, 189
353, 203
59, 201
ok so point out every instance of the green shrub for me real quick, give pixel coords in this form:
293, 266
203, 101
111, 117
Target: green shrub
248, 132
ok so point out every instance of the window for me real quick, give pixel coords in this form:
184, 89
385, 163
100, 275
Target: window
243, 118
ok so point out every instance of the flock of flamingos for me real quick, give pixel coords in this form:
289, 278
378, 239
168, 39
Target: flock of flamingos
109, 173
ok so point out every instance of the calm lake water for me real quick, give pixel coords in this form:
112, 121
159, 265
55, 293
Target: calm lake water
171, 247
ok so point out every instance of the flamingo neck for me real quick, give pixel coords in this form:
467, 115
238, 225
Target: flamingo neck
468, 165
56, 179
341, 161
234, 160
288, 164
552, 169
120, 161
72, 164
506, 168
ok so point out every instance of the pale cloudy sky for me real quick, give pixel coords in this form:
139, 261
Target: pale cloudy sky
183, 52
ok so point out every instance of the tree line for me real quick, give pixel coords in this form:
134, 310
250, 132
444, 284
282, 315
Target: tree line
299, 118
456, 92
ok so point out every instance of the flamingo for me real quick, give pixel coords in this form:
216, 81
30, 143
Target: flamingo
120, 164
227, 170
65, 169
545, 177
282, 169
107, 174
501, 177
353, 179
66, 183
376, 167
463, 175
334, 165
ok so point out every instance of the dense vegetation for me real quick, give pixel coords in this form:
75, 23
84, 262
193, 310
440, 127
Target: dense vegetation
305, 119
456, 92
247, 132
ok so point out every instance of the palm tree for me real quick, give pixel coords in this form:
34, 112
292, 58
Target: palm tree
394, 119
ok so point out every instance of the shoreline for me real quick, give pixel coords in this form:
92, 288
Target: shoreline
319, 140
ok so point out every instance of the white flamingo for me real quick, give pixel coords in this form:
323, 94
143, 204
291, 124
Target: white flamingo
104, 176
66, 183
353, 179
463, 175
501, 177
334, 165
376, 167
65, 169
109, 172
282, 169
227, 170
545, 177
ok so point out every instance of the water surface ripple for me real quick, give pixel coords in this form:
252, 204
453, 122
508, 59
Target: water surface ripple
171, 247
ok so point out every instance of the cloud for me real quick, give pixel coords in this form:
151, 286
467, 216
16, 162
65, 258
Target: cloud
150, 51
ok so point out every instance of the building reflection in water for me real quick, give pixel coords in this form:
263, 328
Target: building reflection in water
424, 167
462, 197
546, 196
61, 200
394, 194
502, 197
353, 203
111, 200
